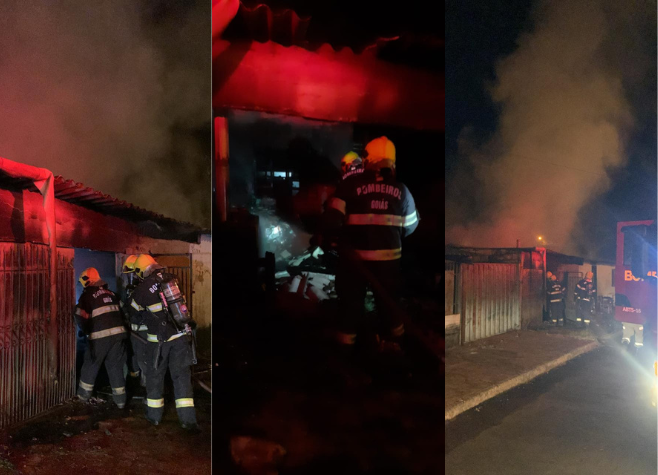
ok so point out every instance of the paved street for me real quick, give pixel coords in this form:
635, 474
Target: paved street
591, 416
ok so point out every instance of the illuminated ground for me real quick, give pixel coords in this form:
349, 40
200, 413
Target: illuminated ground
591, 416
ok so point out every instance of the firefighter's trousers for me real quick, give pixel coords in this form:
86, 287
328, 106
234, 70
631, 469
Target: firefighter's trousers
583, 310
630, 329
110, 350
138, 347
175, 356
351, 287
557, 312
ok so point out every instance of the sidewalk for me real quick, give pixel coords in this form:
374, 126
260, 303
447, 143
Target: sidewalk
485, 368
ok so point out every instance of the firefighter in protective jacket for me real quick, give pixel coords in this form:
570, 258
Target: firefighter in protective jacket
169, 348
585, 295
376, 212
135, 320
556, 301
98, 314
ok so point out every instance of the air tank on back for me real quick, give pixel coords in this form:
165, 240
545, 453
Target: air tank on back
175, 301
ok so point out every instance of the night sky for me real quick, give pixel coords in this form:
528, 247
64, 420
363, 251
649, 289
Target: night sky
481, 34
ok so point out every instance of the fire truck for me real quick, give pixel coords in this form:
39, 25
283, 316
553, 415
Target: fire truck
635, 287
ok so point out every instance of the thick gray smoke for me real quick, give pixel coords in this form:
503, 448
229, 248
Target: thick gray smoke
111, 94
562, 129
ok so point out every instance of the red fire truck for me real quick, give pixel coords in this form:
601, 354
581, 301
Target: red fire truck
635, 287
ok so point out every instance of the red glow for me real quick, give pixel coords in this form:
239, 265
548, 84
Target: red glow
325, 85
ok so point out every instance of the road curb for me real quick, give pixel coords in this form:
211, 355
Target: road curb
516, 381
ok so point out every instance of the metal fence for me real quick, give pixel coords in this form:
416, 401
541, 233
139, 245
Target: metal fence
26, 385
490, 300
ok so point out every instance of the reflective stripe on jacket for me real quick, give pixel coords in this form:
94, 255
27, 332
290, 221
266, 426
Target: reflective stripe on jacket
377, 212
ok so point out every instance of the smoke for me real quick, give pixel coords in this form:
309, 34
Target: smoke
563, 125
114, 94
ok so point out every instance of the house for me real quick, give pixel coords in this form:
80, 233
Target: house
50, 230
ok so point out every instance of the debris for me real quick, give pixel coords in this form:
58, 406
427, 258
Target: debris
256, 456
78, 418
67, 434
104, 426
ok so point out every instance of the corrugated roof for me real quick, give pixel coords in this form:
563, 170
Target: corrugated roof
262, 23
81, 195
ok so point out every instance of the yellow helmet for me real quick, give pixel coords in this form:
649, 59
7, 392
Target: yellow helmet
129, 264
381, 153
145, 265
88, 276
349, 159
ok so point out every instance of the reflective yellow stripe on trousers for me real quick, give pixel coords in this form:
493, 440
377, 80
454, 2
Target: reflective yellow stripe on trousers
155, 402
380, 255
184, 402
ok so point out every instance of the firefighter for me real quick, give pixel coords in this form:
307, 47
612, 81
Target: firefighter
98, 314
169, 348
585, 295
556, 301
377, 212
351, 164
135, 320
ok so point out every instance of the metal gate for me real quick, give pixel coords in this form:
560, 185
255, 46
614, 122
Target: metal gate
26, 387
572, 279
181, 266
490, 300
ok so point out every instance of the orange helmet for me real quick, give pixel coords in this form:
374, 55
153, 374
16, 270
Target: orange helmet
89, 276
380, 153
589, 275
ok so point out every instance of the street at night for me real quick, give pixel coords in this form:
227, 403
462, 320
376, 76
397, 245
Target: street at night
590, 416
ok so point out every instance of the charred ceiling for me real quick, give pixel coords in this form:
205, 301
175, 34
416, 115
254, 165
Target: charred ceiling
409, 36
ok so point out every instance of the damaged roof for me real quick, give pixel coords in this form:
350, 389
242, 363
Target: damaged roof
149, 223
409, 36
